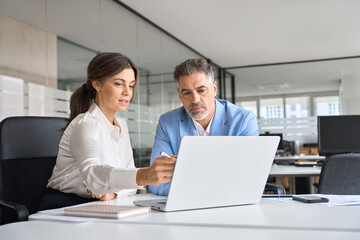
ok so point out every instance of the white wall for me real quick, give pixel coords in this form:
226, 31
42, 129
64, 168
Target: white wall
36, 48
350, 92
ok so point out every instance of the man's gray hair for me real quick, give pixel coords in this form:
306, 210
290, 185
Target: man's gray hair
192, 66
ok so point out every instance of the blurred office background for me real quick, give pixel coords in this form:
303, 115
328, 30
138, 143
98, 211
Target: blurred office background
286, 61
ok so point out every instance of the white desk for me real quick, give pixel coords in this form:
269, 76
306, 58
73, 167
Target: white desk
280, 171
38, 230
301, 156
267, 214
291, 170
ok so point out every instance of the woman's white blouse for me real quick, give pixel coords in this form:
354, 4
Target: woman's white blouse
97, 152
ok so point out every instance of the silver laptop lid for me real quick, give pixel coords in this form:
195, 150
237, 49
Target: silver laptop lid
215, 171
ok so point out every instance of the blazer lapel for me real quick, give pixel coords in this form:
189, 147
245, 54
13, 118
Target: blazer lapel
186, 125
219, 125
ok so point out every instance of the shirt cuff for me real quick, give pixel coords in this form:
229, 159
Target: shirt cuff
123, 178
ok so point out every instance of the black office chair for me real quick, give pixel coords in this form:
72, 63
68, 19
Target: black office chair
28, 150
340, 175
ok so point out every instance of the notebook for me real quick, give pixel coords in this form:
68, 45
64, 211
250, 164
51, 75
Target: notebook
106, 211
218, 171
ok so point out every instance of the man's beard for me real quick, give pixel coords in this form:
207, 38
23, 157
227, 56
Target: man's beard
198, 116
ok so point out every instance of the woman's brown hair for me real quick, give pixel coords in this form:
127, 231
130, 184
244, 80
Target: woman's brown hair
101, 67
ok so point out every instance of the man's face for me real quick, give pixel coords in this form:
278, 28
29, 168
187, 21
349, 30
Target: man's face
197, 94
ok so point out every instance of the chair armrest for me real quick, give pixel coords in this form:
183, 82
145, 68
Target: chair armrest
276, 188
22, 212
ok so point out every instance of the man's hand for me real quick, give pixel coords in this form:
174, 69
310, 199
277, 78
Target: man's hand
105, 197
160, 171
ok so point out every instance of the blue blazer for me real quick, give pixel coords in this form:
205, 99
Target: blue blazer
229, 120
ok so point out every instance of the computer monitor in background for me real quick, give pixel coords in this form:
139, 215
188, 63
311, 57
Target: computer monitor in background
281, 142
338, 134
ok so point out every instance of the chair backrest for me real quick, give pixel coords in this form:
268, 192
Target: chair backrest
340, 175
28, 150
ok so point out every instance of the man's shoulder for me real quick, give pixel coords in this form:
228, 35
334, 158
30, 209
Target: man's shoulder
241, 122
235, 114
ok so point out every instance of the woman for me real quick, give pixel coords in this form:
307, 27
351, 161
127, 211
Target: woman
95, 158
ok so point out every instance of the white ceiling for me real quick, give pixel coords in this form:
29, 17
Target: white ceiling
252, 32
229, 32
246, 32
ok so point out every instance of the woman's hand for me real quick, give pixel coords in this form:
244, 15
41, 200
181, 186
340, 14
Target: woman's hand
160, 171
104, 197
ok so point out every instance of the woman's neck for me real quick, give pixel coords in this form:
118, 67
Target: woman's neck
110, 115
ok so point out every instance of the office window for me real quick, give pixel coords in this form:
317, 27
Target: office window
297, 107
328, 106
271, 108
248, 105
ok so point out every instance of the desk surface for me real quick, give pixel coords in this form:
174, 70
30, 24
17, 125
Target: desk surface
291, 170
39, 230
268, 214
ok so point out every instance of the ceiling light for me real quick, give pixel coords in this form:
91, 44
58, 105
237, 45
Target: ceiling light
273, 87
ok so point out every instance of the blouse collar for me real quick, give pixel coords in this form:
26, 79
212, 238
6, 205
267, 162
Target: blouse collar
100, 117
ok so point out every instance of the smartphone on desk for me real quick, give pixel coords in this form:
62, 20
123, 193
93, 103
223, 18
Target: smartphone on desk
310, 199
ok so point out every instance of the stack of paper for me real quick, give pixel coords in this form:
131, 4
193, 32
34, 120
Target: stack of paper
106, 211
341, 200
334, 200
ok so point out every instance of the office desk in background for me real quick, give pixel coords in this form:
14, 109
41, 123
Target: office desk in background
280, 171
286, 170
291, 171
301, 156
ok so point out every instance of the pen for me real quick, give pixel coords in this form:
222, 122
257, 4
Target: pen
165, 154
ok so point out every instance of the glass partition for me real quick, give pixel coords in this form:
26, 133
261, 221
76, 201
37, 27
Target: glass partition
49, 43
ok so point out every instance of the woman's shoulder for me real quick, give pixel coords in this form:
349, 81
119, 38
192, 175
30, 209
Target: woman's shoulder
83, 126
83, 120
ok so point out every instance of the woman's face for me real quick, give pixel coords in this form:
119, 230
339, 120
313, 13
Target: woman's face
115, 93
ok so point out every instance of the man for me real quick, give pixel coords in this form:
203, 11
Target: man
201, 114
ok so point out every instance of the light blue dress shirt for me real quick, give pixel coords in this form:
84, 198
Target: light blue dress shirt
228, 120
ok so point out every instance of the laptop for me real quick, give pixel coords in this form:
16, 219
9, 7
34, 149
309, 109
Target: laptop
218, 171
